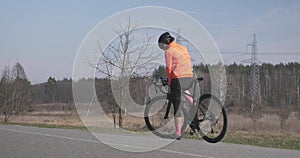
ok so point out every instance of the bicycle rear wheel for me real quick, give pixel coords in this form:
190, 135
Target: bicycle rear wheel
154, 118
212, 118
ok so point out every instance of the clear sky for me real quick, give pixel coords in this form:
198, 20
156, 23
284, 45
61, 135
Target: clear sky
44, 35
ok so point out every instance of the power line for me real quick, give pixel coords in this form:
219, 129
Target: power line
231, 52
278, 53
263, 53
226, 58
252, 26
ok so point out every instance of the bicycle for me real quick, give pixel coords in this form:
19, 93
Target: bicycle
205, 116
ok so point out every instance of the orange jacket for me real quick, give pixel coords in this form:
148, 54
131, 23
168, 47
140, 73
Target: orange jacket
178, 62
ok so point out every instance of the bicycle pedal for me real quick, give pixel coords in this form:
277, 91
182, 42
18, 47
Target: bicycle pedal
191, 133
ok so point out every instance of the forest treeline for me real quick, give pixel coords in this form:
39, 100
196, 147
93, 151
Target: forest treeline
279, 88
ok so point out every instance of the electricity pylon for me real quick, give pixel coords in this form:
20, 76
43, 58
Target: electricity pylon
254, 76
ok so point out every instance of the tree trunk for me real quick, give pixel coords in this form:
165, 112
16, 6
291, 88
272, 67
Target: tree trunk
114, 117
120, 117
5, 117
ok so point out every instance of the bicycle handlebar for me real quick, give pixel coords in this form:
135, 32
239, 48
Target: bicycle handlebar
163, 83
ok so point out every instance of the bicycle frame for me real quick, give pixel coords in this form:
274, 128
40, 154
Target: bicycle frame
196, 81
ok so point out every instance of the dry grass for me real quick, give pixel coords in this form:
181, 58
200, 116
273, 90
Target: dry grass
269, 124
50, 117
51, 114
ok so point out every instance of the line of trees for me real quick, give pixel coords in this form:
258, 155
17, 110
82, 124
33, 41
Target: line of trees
53, 91
279, 86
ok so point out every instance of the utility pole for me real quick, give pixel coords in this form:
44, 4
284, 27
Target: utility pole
218, 77
182, 41
255, 77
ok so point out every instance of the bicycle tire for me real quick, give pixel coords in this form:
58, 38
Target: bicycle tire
221, 134
150, 123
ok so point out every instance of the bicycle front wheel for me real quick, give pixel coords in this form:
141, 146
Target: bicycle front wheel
155, 121
212, 118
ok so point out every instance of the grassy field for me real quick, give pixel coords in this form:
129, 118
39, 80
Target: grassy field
266, 132
273, 141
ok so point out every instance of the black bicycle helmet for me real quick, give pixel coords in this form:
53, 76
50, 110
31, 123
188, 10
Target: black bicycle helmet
164, 40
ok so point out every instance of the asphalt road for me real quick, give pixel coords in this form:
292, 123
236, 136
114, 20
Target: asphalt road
33, 142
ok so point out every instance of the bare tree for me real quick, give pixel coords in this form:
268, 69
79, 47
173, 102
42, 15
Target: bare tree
6, 93
283, 112
19, 72
124, 58
22, 89
285, 98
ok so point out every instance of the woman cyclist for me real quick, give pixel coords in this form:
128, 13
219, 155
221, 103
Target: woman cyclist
179, 71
